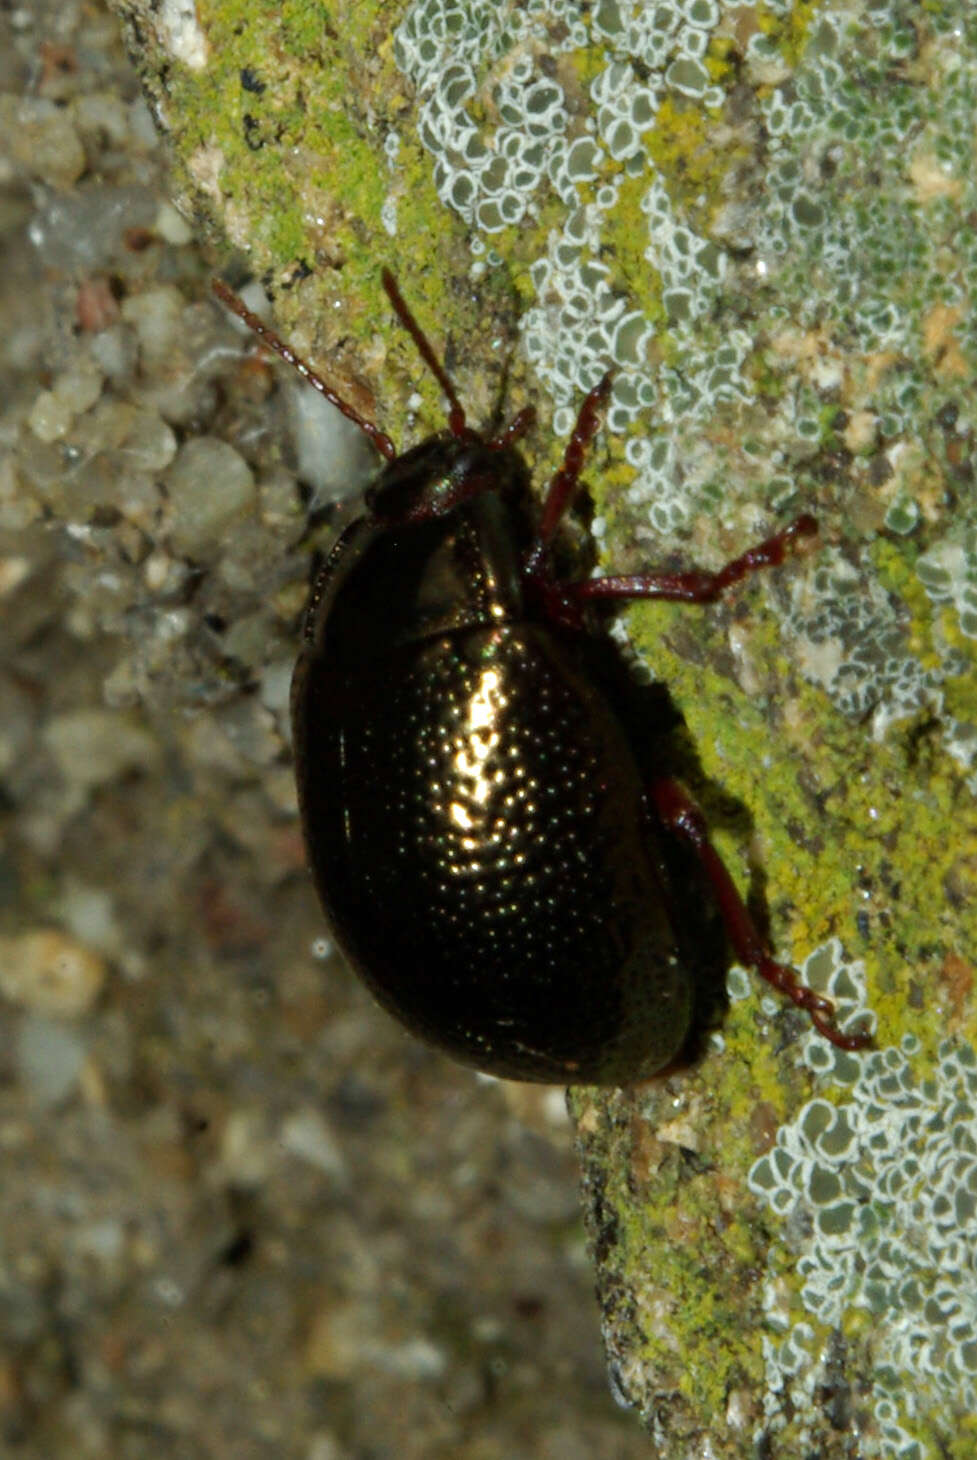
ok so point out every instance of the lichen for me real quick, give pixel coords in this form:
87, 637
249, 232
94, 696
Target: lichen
639, 148
880, 1169
505, 130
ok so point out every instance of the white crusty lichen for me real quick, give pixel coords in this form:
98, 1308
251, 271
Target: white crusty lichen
853, 640
875, 1179
834, 199
948, 572
497, 169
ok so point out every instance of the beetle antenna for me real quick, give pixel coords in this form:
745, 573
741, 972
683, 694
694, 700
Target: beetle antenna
268, 337
456, 415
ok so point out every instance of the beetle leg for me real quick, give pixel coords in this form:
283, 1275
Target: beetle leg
678, 813
560, 492
514, 431
696, 585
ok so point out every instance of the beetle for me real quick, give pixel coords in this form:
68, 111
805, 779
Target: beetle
486, 835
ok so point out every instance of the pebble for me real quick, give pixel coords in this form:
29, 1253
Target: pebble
50, 973
96, 307
104, 116
49, 1059
93, 747
333, 455
246, 1155
305, 1135
148, 442
88, 913
172, 226
18, 509
115, 350
13, 571
339, 1336
248, 637
41, 138
209, 485
73, 392
50, 418
84, 231
251, 730
347, 1333
156, 316
275, 684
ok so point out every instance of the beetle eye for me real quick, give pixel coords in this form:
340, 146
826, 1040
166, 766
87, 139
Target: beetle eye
410, 501
431, 486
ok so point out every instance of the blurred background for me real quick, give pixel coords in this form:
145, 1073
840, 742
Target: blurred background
241, 1214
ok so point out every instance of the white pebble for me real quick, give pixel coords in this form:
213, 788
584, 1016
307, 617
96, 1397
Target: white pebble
172, 226
115, 350
209, 485
49, 1059
306, 1135
50, 418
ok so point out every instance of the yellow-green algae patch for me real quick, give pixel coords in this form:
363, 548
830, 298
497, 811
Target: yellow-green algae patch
685, 147
788, 30
279, 142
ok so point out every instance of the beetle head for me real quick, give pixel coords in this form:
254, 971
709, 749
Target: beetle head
440, 474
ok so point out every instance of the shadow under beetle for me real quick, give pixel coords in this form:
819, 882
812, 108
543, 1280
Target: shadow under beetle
489, 856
